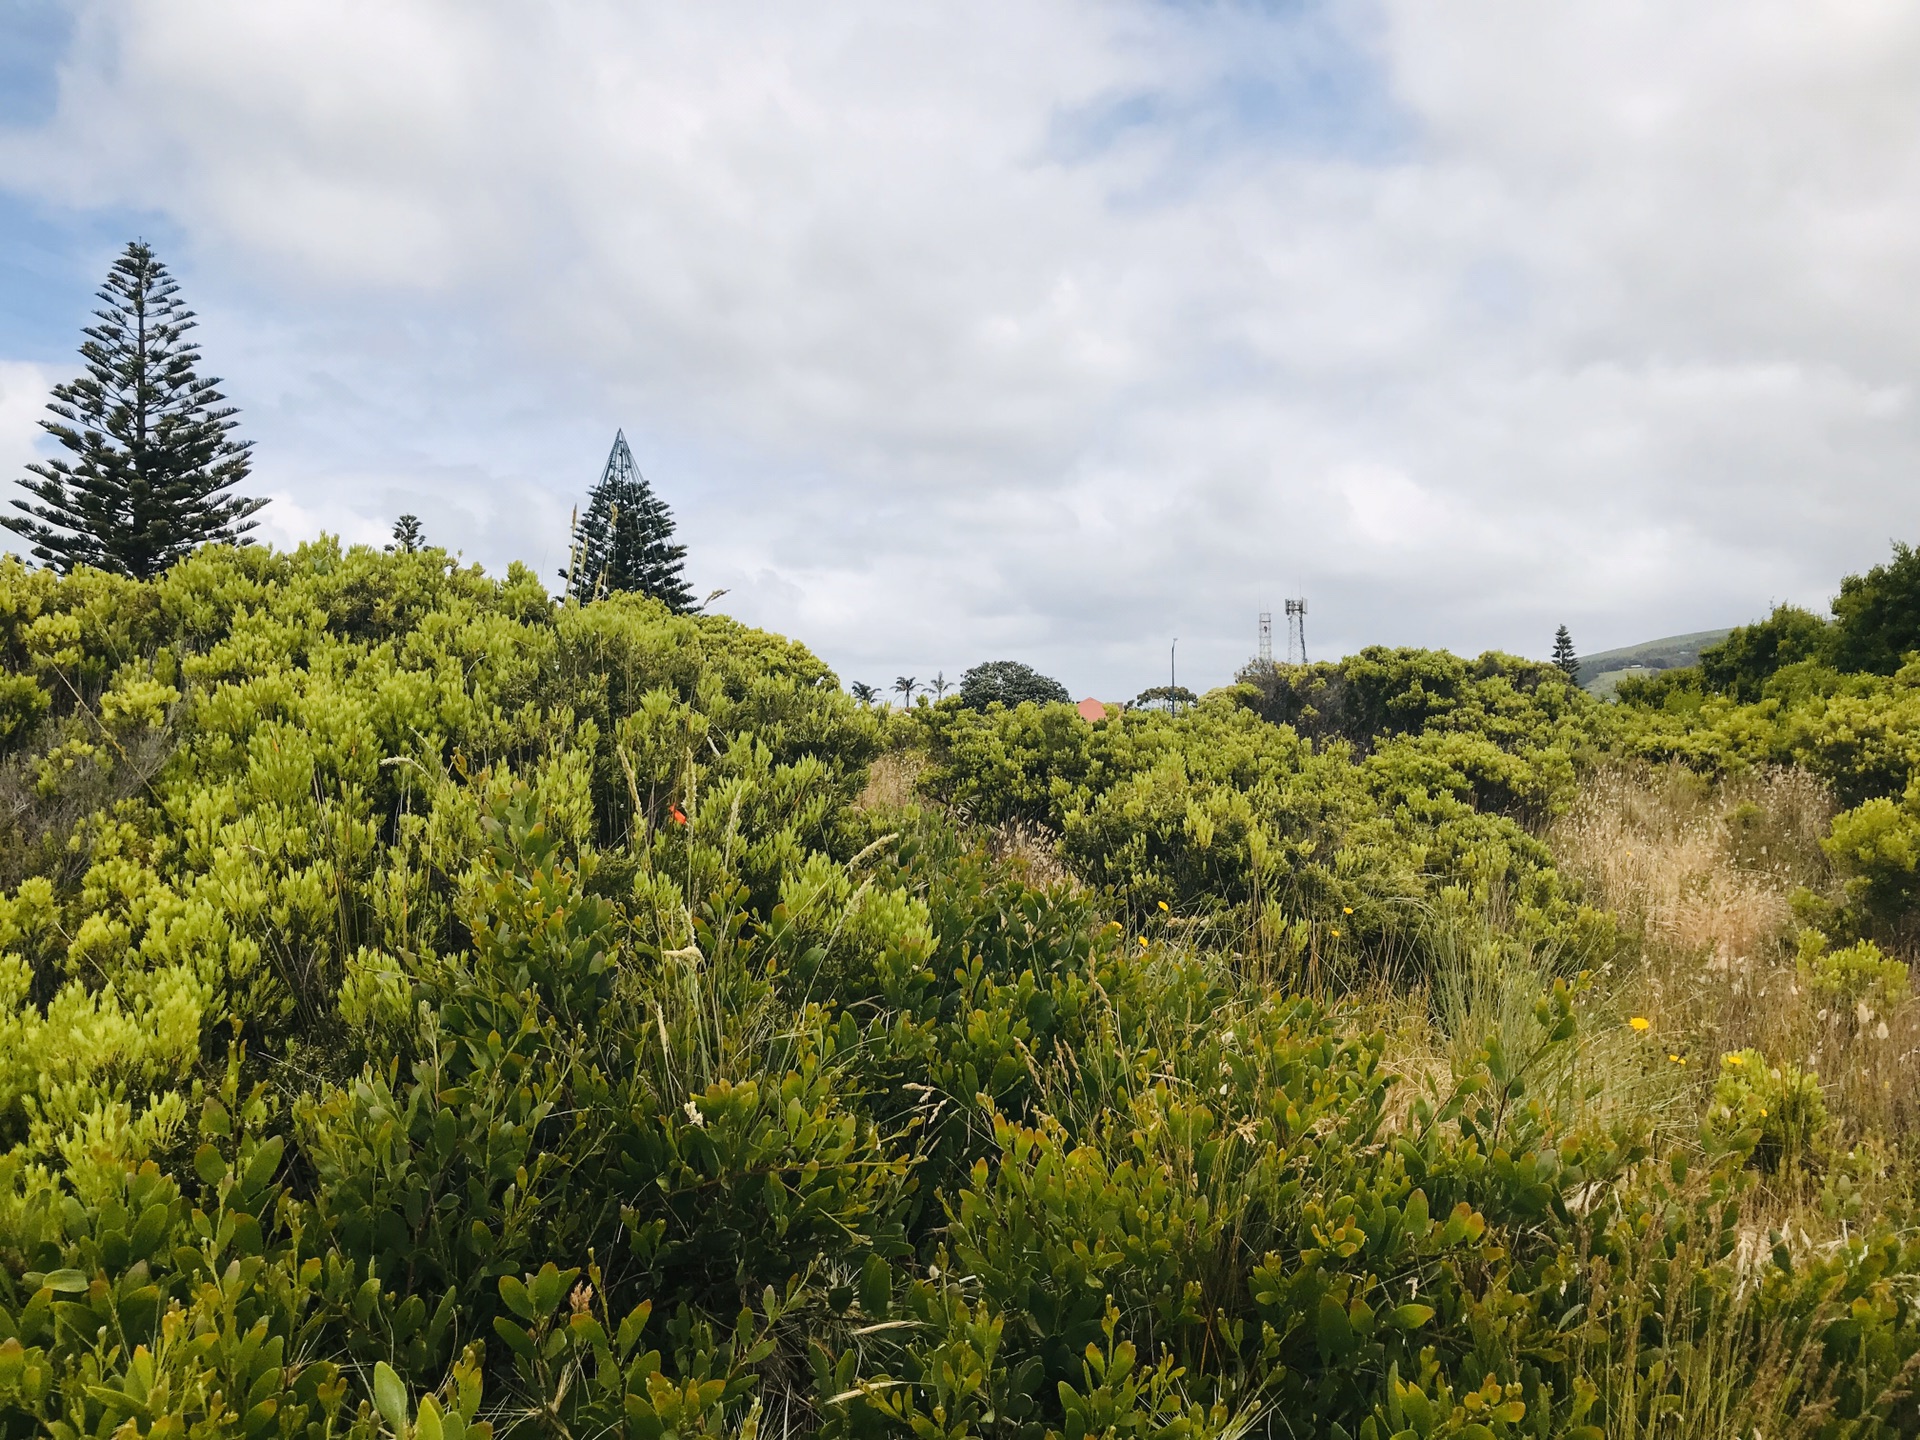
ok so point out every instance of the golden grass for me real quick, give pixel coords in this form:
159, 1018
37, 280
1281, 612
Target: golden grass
1696, 869
892, 780
1034, 850
1704, 878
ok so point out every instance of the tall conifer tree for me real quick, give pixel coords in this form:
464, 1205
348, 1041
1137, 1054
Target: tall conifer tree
624, 541
150, 450
1564, 659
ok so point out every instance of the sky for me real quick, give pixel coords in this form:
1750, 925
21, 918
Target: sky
1046, 331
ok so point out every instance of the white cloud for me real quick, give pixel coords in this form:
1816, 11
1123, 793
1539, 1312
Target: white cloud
23, 394
1056, 330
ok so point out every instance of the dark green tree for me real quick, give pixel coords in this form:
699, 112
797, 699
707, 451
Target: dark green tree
1564, 660
1877, 615
1741, 664
149, 441
408, 537
1009, 683
624, 542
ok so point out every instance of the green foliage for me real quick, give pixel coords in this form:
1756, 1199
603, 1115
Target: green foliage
1286, 849
1775, 1112
1751, 704
1009, 683
1877, 615
1381, 692
430, 1011
1171, 698
1854, 976
408, 537
1741, 664
150, 441
1836, 699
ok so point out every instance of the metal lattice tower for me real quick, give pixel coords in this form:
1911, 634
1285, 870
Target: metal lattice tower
1266, 639
1297, 632
620, 464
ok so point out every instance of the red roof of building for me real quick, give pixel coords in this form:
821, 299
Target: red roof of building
1092, 710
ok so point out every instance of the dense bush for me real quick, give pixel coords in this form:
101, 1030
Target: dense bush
1417, 803
1741, 664
1877, 615
432, 1010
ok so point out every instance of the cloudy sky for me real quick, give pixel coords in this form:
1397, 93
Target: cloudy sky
1043, 330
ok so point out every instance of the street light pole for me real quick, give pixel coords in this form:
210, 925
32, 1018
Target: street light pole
1173, 678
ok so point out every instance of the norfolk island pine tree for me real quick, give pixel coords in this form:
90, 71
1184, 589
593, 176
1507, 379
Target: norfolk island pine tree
151, 453
624, 541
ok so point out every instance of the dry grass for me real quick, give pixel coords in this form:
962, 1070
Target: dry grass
1034, 850
892, 780
1696, 869
1704, 877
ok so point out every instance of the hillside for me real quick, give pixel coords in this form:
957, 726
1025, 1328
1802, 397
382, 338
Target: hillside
1600, 674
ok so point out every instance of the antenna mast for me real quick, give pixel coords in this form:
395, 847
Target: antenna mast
1266, 639
1297, 631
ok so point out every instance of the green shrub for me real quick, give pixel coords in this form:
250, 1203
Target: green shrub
1776, 1111
1741, 664
1851, 977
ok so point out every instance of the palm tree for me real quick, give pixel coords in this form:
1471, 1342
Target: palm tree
865, 694
906, 685
940, 685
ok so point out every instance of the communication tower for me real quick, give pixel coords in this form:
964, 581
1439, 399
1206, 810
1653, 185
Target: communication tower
1266, 639
1297, 631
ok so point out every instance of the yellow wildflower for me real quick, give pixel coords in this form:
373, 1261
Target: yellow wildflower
1641, 1023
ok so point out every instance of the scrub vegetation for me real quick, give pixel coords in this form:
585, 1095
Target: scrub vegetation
432, 1011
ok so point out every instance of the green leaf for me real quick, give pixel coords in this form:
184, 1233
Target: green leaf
518, 1339
65, 1282
1411, 1317
209, 1164
149, 1231
550, 1287
876, 1286
390, 1396
516, 1297
1335, 1330
265, 1162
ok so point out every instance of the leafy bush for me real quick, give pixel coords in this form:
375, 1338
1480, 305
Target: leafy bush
1279, 846
1774, 1111
1877, 615
1741, 664
1855, 975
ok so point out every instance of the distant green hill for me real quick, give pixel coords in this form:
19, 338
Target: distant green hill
1600, 674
